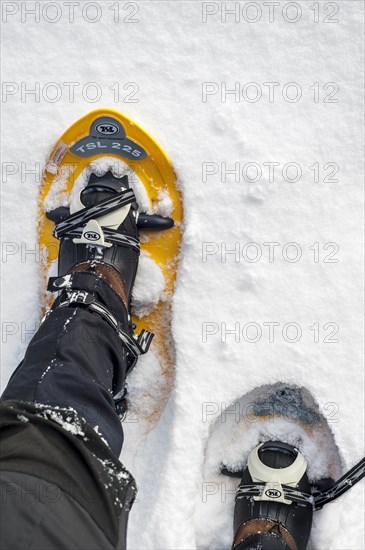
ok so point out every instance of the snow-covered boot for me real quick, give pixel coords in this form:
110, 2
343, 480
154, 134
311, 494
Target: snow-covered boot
269, 521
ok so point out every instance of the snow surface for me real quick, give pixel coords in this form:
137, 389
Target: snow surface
145, 296
160, 64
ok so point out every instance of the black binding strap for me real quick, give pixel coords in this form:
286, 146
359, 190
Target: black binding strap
342, 485
318, 498
111, 236
136, 346
81, 217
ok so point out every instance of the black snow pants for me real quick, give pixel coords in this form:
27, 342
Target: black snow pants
62, 485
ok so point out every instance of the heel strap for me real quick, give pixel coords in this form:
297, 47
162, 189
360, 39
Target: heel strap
135, 345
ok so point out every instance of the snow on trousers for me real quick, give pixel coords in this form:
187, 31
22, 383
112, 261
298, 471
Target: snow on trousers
62, 485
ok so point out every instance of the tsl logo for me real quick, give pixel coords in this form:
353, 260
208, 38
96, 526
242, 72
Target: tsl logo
107, 129
273, 493
92, 236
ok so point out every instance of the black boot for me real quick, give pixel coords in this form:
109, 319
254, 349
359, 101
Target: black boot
101, 226
269, 521
96, 230
99, 242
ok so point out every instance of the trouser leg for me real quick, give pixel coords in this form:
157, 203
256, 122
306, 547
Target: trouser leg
61, 431
77, 360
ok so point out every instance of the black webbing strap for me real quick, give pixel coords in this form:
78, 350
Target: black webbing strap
81, 217
135, 346
318, 498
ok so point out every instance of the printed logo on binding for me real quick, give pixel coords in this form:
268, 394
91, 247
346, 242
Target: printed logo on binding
273, 493
107, 135
92, 236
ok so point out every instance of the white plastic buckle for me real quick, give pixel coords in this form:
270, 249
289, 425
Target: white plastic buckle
92, 234
274, 478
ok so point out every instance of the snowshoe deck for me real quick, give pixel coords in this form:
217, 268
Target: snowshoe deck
108, 133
